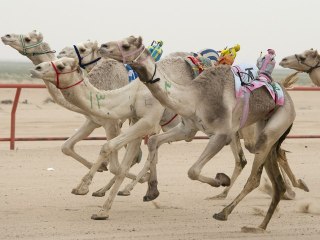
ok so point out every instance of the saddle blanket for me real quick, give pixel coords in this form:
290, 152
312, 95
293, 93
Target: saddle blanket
247, 79
202, 60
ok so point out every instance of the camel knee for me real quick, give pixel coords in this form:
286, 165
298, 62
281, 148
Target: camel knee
193, 173
67, 149
152, 143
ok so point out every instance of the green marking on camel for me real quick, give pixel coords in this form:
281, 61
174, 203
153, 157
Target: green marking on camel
167, 85
99, 97
91, 99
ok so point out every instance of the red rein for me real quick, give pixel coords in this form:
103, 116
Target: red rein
57, 78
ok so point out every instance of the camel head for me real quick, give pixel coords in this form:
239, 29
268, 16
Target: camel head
304, 62
23, 42
86, 53
126, 50
62, 72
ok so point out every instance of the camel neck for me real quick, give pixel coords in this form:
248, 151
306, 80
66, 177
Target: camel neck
315, 76
96, 102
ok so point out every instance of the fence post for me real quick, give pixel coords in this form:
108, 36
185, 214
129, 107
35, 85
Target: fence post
13, 118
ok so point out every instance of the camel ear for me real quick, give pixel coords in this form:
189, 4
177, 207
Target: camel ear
138, 42
39, 36
95, 45
314, 53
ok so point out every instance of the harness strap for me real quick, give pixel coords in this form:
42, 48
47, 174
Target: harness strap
25, 48
165, 124
83, 65
151, 81
311, 68
196, 62
59, 73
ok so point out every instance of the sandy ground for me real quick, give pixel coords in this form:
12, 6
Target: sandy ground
37, 204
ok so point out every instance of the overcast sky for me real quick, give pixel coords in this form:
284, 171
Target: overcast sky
288, 26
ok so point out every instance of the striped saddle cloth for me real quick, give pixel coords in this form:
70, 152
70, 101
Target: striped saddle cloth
202, 60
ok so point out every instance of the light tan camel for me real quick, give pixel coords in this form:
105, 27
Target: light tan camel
108, 75
208, 104
308, 62
132, 101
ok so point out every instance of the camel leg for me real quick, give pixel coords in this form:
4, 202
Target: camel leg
279, 189
138, 130
275, 130
68, 146
132, 149
215, 144
180, 132
240, 163
285, 166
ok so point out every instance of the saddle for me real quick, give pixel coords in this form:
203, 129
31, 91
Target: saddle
247, 79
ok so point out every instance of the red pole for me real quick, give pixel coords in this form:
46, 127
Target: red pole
13, 118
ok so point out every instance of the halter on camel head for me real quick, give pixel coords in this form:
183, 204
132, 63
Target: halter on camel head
58, 80
311, 68
83, 65
25, 48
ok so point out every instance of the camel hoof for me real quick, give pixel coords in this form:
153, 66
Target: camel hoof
223, 179
149, 198
303, 185
220, 216
252, 230
80, 191
124, 193
99, 216
217, 197
289, 195
98, 194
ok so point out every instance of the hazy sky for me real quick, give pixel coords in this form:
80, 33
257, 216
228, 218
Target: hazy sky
288, 26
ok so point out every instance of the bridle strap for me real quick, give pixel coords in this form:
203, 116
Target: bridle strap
83, 65
152, 81
124, 54
311, 68
25, 48
59, 73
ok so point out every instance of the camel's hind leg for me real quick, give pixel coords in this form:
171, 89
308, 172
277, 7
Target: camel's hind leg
275, 131
240, 163
279, 189
285, 166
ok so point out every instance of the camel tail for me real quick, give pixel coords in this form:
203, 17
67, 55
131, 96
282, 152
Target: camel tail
290, 80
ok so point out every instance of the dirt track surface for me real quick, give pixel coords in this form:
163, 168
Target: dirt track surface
37, 204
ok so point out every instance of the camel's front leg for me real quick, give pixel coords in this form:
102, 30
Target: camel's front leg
84, 131
132, 149
177, 133
215, 144
240, 163
138, 130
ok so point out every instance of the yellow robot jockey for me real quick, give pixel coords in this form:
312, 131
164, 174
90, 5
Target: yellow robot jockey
228, 55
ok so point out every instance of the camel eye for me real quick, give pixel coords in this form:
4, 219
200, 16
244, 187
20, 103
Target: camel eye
26, 39
82, 50
126, 47
302, 58
60, 67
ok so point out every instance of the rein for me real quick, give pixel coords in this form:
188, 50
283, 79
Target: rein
83, 65
165, 124
311, 68
25, 48
59, 73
